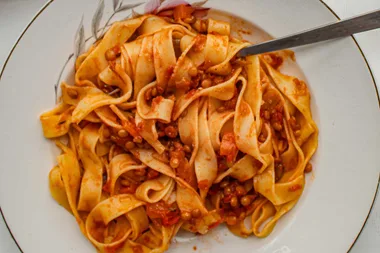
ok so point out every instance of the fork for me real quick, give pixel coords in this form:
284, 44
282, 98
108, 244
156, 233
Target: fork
343, 28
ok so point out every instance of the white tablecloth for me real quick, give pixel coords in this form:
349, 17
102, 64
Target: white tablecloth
16, 14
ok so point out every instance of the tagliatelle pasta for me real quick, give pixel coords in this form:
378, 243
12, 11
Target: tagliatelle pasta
167, 128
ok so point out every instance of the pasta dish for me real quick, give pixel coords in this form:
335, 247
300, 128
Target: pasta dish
166, 128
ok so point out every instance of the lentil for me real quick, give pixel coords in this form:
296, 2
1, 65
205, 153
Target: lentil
174, 162
110, 55
129, 145
171, 132
196, 213
245, 201
193, 71
186, 216
308, 168
231, 220
122, 133
224, 184
277, 126
206, 83
234, 202
72, 93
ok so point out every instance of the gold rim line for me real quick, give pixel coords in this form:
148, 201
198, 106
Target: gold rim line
22, 34
321, 1
378, 100
1, 74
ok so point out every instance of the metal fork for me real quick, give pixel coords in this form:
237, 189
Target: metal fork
335, 30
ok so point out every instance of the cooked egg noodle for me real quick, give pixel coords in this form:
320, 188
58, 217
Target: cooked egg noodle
116, 102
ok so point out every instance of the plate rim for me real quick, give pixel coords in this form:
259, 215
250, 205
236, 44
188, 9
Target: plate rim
321, 1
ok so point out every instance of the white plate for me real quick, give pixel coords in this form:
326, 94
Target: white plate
337, 198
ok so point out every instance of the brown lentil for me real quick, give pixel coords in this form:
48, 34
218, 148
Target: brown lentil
277, 126
245, 201
308, 168
177, 145
234, 202
242, 215
231, 220
187, 148
110, 55
196, 213
174, 162
186, 216
193, 71
72, 93
224, 184
122, 133
171, 131
206, 83
227, 190
129, 145
240, 191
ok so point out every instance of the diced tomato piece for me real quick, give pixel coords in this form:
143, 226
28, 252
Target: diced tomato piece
169, 215
203, 184
131, 128
171, 219
228, 147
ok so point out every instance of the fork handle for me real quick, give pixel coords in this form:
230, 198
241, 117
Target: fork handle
335, 30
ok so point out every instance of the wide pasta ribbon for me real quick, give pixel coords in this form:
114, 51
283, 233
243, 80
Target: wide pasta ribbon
56, 122
266, 211
188, 132
160, 108
148, 130
154, 190
100, 220
67, 173
297, 92
222, 91
119, 165
114, 77
206, 166
189, 199
96, 62
245, 129
91, 186
215, 123
164, 108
